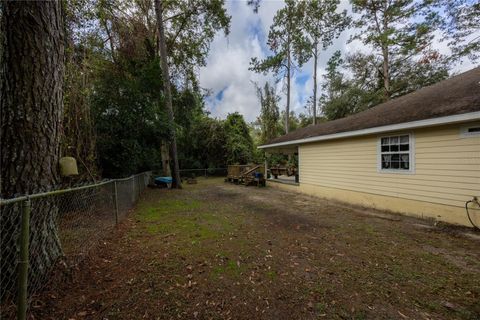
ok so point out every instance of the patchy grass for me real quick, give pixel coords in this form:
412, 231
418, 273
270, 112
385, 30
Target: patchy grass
187, 220
220, 251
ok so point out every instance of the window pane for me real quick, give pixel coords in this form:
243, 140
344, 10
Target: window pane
393, 140
395, 164
386, 161
404, 147
385, 141
404, 139
404, 161
394, 147
385, 148
395, 157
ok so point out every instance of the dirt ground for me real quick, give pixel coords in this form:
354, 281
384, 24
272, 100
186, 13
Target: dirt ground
220, 251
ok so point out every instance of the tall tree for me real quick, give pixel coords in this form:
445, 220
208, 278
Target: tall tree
168, 93
398, 31
344, 95
461, 26
192, 25
130, 37
79, 138
321, 24
239, 143
269, 114
207, 144
130, 118
287, 45
31, 108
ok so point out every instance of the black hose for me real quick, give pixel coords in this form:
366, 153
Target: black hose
468, 213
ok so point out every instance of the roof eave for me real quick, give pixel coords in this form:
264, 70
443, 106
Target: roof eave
458, 118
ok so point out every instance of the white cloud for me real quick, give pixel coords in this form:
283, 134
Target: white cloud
228, 62
227, 74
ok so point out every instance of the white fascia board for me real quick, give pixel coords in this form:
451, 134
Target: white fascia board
471, 116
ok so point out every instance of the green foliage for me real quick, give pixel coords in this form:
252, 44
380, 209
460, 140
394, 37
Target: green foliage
461, 24
287, 45
130, 122
403, 27
295, 121
269, 113
239, 143
114, 70
284, 40
322, 23
401, 33
79, 138
344, 95
204, 145
306, 118
193, 25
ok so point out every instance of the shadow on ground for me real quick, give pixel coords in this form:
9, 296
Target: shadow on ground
222, 251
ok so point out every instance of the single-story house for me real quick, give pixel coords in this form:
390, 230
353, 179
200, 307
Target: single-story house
418, 154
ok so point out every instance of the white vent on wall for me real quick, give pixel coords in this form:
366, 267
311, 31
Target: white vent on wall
470, 130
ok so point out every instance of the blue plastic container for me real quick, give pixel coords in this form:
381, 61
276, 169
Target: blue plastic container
258, 175
160, 180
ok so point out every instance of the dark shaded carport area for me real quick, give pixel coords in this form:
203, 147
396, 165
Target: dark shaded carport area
284, 177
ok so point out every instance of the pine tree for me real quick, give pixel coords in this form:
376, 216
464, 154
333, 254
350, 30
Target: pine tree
400, 32
461, 26
321, 24
288, 46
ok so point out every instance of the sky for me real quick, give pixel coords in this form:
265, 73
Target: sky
230, 82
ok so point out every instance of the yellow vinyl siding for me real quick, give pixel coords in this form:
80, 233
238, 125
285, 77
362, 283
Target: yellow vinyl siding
446, 169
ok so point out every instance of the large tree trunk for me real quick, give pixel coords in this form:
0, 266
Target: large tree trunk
168, 93
31, 108
315, 61
165, 154
385, 54
386, 73
287, 111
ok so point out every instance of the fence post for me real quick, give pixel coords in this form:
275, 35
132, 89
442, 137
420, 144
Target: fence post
23, 261
133, 190
205, 173
116, 201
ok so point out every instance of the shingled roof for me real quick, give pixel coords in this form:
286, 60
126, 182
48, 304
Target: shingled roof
457, 95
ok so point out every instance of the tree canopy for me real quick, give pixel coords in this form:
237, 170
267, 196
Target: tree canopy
116, 119
287, 45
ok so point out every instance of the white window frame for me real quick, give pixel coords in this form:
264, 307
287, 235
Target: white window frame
411, 153
464, 130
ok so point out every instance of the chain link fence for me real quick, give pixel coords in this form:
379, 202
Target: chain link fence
42, 232
209, 172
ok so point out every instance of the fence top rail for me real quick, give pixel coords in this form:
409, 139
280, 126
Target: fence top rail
63, 191
203, 169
